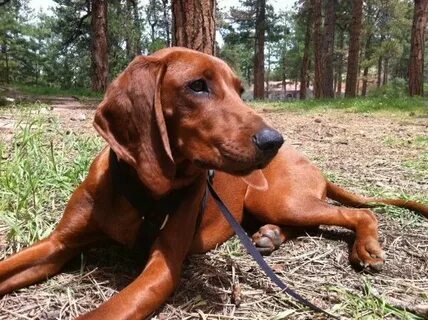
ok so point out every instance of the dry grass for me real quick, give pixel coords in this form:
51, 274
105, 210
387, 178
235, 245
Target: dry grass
352, 149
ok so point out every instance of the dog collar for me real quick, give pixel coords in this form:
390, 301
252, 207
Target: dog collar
155, 213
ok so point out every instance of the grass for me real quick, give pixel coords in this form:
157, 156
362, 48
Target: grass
40, 167
43, 163
81, 93
416, 105
419, 164
420, 141
403, 216
388, 98
370, 305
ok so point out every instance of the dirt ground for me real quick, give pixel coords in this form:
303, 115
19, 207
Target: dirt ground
364, 152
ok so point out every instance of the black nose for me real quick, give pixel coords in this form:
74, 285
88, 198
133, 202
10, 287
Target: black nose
268, 139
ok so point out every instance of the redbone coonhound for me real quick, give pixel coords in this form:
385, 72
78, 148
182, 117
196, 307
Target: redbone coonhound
167, 119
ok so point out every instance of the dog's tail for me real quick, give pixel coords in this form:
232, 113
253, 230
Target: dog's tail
347, 198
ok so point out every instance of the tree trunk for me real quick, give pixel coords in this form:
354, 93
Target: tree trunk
153, 31
367, 56
379, 72
359, 72
268, 73
137, 23
318, 85
4, 52
166, 22
283, 76
194, 24
129, 46
365, 80
305, 62
339, 71
385, 71
152, 18
416, 63
354, 48
99, 54
6, 56
259, 57
328, 47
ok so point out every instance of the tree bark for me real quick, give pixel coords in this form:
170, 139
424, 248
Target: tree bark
365, 81
305, 62
152, 18
99, 52
379, 72
361, 57
128, 34
194, 24
354, 49
367, 56
339, 71
328, 47
268, 72
137, 23
385, 71
283, 76
259, 57
166, 22
4, 51
416, 63
318, 85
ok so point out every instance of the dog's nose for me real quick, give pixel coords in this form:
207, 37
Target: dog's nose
268, 139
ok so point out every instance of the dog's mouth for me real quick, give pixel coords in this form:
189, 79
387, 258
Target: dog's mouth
234, 171
237, 161
254, 159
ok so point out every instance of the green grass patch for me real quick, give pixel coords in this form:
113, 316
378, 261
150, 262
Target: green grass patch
420, 164
403, 216
416, 105
420, 141
369, 306
39, 169
81, 93
232, 248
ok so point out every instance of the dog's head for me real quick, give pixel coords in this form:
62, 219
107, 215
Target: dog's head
182, 105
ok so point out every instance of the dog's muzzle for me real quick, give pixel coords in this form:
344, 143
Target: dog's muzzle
268, 140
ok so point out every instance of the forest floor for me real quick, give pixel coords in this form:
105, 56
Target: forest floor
382, 154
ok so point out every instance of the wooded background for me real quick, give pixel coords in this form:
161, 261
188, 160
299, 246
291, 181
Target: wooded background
320, 48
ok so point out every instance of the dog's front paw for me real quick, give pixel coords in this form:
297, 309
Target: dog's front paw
268, 239
367, 253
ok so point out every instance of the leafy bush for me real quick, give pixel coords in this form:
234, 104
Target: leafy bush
396, 88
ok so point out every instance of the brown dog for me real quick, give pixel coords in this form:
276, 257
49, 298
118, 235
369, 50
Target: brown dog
167, 118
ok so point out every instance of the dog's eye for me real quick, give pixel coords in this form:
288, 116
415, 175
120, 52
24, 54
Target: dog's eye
199, 86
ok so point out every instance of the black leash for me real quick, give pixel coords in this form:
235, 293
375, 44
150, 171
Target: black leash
155, 214
252, 250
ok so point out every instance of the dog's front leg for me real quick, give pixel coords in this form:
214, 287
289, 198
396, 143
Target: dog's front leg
162, 272
46, 257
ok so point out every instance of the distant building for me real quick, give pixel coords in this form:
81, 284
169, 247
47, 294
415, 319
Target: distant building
276, 90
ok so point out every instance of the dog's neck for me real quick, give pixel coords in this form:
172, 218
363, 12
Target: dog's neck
186, 174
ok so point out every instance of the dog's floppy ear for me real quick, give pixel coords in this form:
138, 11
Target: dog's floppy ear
257, 180
130, 119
